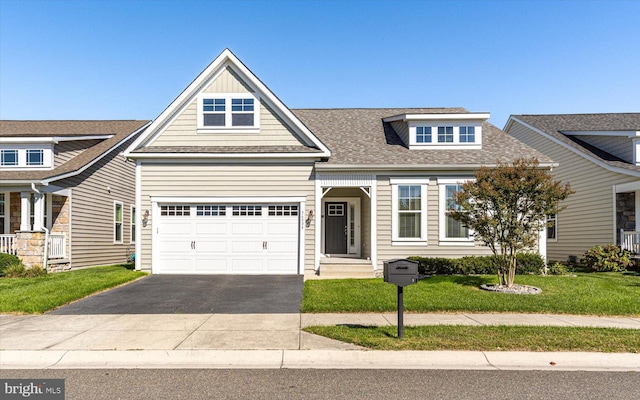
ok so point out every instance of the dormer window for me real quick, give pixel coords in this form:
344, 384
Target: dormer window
228, 111
445, 134
26, 156
423, 134
467, 134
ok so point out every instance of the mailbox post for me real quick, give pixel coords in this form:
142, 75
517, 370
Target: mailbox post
401, 273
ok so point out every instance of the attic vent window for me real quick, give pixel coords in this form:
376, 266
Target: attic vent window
228, 111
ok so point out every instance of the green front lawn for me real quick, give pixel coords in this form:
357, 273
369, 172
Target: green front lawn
587, 293
486, 338
37, 295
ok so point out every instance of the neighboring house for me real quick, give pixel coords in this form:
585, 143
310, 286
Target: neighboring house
599, 155
66, 188
229, 180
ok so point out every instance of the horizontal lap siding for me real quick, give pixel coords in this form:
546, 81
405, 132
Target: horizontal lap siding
588, 219
65, 151
92, 210
387, 251
619, 146
402, 129
226, 181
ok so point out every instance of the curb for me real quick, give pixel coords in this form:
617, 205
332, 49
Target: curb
317, 359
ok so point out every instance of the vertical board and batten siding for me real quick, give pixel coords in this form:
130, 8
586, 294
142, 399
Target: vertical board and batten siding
402, 129
619, 146
215, 180
65, 151
387, 251
588, 219
92, 210
183, 130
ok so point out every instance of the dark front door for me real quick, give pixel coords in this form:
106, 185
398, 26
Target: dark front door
335, 228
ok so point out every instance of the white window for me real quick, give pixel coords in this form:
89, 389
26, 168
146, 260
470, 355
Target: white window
246, 211
451, 230
236, 111
409, 210
117, 222
445, 134
26, 156
552, 227
467, 134
423, 134
211, 211
133, 225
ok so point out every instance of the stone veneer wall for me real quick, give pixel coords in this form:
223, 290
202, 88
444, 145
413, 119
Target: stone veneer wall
30, 248
625, 212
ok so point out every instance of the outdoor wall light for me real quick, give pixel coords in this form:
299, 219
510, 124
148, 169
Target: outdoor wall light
309, 218
145, 218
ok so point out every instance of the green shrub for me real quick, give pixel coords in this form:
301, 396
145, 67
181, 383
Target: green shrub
557, 268
609, 258
6, 260
475, 265
17, 270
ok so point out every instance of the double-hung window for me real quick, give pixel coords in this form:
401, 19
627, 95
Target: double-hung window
451, 230
552, 227
409, 208
117, 222
228, 111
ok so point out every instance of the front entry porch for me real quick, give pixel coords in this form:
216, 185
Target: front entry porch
34, 226
345, 233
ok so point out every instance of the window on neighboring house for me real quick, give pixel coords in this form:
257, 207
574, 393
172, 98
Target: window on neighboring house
423, 134
409, 208
228, 111
8, 157
117, 222
133, 224
3, 209
445, 134
467, 134
35, 157
552, 227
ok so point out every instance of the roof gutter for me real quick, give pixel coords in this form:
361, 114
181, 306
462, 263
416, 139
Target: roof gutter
223, 155
411, 167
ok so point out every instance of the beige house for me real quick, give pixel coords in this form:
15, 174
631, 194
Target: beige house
229, 180
66, 192
599, 155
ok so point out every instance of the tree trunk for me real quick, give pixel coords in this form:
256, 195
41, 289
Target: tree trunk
512, 269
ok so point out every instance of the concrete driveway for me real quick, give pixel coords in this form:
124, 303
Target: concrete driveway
196, 294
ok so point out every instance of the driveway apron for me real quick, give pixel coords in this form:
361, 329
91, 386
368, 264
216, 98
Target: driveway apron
196, 294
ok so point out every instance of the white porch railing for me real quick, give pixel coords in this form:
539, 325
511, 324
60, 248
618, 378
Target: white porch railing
57, 245
630, 241
8, 244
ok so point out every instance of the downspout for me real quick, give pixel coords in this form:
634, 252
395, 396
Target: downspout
46, 234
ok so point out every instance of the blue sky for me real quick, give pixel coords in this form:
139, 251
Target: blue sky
130, 59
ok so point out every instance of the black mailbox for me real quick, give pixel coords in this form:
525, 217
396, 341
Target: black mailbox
401, 272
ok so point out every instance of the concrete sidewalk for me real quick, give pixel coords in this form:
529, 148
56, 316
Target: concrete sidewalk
269, 341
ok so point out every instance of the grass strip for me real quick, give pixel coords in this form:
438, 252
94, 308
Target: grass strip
486, 338
583, 293
37, 295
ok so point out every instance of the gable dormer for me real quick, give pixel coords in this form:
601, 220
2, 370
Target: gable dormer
440, 131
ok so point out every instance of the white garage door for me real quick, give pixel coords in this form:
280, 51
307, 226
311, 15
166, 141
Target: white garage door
227, 239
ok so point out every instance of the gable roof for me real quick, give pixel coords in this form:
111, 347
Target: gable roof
119, 131
224, 60
359, 138
554, 125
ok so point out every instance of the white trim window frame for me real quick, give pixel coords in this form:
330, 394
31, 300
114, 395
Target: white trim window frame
233, 111
552, 230
409, 198
132, 228
118, 222
444, 202
445, 135
26, 156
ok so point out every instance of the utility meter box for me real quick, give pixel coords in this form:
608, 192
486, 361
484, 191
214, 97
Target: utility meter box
401, 272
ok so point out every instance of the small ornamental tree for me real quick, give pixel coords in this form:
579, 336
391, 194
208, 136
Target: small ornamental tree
507, 206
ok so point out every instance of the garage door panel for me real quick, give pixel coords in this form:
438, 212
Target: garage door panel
282, 265
175, 264
211, 228
246, 228
246, 246
211, 246
175, 245
283, 246
282, 228
177, 228
211, 264
247, 265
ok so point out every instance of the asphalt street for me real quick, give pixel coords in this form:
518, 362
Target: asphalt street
338, 384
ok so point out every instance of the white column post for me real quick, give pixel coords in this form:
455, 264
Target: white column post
542, 242
38, 212
25, 211
636, 211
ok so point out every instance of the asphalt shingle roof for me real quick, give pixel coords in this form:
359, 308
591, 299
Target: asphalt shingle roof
120, 129
557, 125
358, 136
